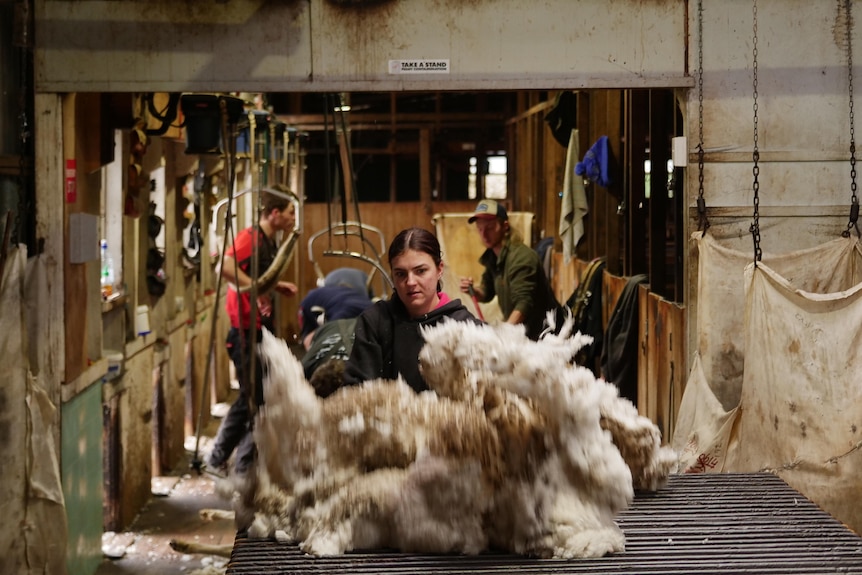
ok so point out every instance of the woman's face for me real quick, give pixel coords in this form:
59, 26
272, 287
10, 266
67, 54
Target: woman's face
415, 276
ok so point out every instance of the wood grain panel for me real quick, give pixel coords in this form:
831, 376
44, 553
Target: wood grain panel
75, 275
662, 369
612, 288
675, 355
564, 277
199, 400
659, 367
646, 401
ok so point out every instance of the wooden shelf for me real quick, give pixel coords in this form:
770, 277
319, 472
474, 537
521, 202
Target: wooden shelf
113, 302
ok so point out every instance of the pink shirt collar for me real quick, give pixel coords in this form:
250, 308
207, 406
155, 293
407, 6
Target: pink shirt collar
444, 299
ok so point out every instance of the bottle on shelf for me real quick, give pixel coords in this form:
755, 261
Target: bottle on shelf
107, 273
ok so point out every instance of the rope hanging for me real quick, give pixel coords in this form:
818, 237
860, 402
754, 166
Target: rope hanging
755, 225
346, 167
345, 228
702, 220
328, 171
227, 131
854, 200
335, 105
354, 195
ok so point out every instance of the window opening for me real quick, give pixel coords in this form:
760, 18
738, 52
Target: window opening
496, 178
111, 218
471, 178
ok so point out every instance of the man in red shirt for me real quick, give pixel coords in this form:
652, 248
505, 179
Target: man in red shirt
277, 214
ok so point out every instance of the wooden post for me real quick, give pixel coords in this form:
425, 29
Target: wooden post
425, 170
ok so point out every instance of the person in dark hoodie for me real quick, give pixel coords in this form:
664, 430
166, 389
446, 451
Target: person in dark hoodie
388, 339
327, 320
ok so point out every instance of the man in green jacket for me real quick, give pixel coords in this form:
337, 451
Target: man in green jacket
513, 271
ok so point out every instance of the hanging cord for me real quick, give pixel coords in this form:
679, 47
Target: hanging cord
354, 193
854, 200
337, 104
230, 139
328, 171
755, 225
254, 400
254, 274
339, 107
702, 220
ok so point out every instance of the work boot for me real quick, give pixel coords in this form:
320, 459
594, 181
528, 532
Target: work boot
216, 463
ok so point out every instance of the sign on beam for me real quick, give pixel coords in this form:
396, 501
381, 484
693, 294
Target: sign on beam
418, 66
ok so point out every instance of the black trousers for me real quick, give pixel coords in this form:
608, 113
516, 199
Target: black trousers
235, 429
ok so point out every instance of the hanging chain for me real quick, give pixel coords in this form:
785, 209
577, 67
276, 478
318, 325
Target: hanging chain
854, 200
755, 225
702, 221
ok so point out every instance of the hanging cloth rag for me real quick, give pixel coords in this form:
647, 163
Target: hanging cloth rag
714, 387
574, 206
801, 400
596, 162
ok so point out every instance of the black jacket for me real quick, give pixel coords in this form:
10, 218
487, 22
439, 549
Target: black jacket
621, 350
387, 341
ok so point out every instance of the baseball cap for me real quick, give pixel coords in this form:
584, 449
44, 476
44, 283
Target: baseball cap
489, 209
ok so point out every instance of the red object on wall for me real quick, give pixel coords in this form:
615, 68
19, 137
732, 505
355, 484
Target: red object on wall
71, 181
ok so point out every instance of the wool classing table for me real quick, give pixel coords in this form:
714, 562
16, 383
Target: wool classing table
748, 523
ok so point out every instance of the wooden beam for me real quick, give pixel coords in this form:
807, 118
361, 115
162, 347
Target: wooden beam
773, 211
402, 121
425, 169
10, 165
532, 111
50, 217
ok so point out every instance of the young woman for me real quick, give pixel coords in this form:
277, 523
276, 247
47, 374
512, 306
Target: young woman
388, 338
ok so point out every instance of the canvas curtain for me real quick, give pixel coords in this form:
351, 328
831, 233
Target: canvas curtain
35, 528
774, 384
801, 403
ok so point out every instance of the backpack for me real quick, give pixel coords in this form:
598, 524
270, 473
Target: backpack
323, 363
586, 305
